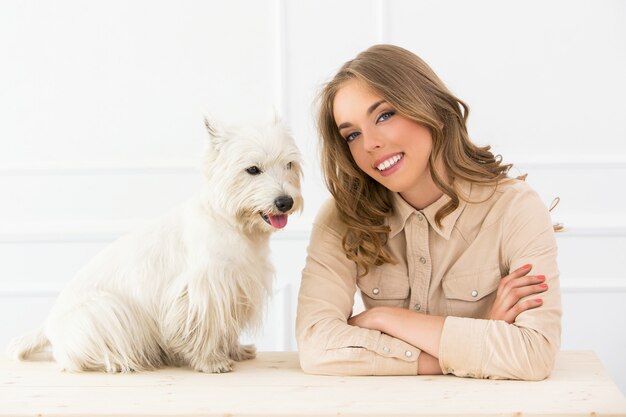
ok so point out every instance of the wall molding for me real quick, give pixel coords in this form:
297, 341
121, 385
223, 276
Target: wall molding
282, 293
380, 12
592, 231
281, 73
68, 168
67, 232
189, 166
560, 163
600, 285
45, 289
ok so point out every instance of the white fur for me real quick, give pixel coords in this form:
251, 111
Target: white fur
181, 291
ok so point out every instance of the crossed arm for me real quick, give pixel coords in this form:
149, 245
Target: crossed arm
424, 331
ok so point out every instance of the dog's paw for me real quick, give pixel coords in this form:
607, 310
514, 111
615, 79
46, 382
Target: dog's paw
216, 367
244, 352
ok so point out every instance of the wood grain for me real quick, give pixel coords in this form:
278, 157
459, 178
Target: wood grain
274, 385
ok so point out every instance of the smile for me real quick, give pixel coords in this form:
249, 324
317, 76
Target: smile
388, 163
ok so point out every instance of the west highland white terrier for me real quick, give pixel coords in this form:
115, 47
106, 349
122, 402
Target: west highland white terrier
181, 291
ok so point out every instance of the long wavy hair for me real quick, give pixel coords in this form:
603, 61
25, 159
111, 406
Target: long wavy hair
413, 89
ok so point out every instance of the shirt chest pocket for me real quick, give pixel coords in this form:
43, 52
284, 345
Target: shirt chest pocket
471, 293
384, 287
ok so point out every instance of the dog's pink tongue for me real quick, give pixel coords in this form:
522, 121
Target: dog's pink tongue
279, 221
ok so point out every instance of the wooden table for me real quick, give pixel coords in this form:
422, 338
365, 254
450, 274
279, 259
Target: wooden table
274, 385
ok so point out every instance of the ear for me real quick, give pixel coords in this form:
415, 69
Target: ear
217, 133
211, 127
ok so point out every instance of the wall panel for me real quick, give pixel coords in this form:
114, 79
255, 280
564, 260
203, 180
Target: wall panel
118, 80
95, 197
539, 76
321, 36
101, 107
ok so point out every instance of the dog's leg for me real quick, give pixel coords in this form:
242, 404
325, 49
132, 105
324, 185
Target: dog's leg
200, 328
192, 332
201, 351
216, 362
241, 352
104, 332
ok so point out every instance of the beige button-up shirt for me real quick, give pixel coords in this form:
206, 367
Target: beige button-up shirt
451, 271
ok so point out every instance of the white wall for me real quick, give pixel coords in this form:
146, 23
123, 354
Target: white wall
101, 106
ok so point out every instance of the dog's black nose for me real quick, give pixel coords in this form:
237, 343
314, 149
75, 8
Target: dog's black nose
284, 203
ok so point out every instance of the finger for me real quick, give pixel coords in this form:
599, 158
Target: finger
524, 306
507, 283
527, 280
519, 272
512, 296
522, 292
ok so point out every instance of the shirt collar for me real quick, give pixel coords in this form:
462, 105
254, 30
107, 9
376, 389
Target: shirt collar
403, 210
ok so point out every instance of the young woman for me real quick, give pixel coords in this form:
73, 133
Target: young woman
455, 261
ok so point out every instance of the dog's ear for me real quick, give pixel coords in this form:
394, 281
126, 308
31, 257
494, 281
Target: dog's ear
211, 127
216, 133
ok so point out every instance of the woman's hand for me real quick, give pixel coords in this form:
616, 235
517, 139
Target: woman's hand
420, 330
513, 287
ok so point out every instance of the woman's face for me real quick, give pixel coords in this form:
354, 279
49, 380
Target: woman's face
390, 148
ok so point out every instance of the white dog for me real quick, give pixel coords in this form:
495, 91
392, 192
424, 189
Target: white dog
181, 291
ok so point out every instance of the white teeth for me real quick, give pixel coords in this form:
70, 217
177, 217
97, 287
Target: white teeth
389, 162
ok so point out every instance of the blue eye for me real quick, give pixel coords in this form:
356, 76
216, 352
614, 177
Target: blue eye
386, 115
352, 136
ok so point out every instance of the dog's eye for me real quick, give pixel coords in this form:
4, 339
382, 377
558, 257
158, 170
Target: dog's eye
253, 170
289, 165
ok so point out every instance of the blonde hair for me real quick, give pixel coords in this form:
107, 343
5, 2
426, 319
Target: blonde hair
412, 88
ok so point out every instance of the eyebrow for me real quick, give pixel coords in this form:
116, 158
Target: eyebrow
370, 110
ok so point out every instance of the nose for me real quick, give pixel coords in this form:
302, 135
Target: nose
371, 140
284, 203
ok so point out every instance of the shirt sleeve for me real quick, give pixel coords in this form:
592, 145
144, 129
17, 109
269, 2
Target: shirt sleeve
327, 344
527, 348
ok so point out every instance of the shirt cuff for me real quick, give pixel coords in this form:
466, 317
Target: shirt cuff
394, 357
460, 347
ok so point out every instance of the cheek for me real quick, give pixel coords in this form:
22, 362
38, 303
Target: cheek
359, 157
425, 147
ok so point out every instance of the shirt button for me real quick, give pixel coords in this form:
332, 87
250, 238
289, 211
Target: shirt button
420, 217
386, 349
417, 306
422, 259
474, 293
375, 291
408, 353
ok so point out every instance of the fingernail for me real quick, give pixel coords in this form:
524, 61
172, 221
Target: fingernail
525, 266
543, 285
541, 277
538, 300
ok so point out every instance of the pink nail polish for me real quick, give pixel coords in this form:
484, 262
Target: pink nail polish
538, 300
525, 266
543, 285
541, 277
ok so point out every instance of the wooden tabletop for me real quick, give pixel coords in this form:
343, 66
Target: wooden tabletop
274, 385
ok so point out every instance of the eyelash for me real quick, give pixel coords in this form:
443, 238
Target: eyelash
389, 113
384, 116
351, 136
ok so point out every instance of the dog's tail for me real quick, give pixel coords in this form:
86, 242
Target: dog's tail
21, 348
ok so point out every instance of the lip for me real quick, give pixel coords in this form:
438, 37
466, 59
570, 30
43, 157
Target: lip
384, 158
394, 168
